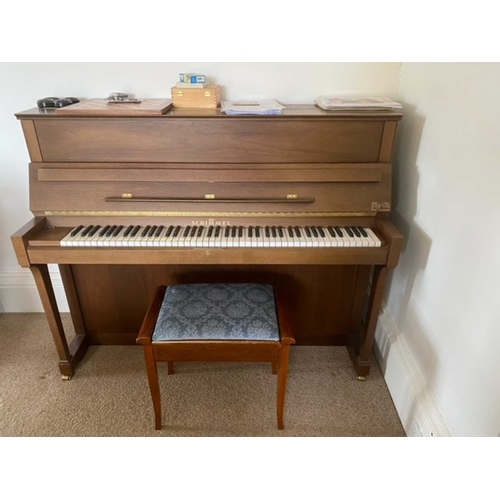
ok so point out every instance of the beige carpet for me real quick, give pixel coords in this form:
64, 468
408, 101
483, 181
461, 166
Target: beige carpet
109, 395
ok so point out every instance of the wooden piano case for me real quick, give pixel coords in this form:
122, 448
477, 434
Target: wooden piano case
306, 167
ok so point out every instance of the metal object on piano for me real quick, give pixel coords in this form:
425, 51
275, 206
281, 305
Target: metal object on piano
121, 98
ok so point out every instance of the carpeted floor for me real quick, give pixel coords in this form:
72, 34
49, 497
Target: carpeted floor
109, 395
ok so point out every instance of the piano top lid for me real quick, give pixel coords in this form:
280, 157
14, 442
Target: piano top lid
291, 111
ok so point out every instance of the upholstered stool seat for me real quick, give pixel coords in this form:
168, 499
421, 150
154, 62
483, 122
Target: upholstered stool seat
216, 322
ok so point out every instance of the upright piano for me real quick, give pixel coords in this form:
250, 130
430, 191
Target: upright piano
123, 204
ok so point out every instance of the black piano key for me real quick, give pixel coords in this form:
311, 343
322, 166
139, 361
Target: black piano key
356, 232
280, 232
290, 232
159, 230
228, 231
193, 232
339, 231
268, 234
314, 231
76, 230
110, 231
176, 231
169, 230
349, 232
145, 231
362, 231
104, 230
210, 231
217, 231
116, 232
93, 231
240, 232
200, 231
128, 231
298, 232
308, 232
186, 231
135, 231
250, 232
331, 231
257, 231
273, 231
87, 230
233, 232
321, 232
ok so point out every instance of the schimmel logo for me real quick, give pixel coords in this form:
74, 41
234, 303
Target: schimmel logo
210, 222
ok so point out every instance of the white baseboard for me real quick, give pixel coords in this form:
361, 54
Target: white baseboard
18, 293
416, 408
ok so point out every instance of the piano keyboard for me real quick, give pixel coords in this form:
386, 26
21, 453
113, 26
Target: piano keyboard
222, 237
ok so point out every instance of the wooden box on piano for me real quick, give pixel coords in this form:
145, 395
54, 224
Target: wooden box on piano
207, 97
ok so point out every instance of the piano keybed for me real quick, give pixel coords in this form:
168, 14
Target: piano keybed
220, 237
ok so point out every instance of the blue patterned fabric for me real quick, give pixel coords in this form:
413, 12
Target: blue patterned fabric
217, 311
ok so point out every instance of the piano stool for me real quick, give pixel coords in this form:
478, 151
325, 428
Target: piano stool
216, 322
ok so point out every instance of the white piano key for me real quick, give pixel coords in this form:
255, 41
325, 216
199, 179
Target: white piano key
366, 241
176, 235
353, 243
373, 236
67, 241
127, 240
91, 238
333, 242
118, 239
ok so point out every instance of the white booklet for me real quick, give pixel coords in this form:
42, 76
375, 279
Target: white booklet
331, 103
263, 107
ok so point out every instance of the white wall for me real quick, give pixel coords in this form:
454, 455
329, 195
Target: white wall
21, 84
444, 299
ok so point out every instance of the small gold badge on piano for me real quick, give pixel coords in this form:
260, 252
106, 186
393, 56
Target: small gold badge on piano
210, 197
126, 195
381, 207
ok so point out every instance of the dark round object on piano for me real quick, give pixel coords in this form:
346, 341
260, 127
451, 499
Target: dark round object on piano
61, 103
73, 100
47, 102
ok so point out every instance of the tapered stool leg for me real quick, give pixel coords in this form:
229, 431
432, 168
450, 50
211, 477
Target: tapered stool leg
154, 385
282, 378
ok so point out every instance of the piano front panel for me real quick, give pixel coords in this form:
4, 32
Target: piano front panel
321, 298
338, 189
229, 140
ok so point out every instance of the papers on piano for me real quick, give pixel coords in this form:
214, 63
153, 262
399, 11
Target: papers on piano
263, 107
342, 103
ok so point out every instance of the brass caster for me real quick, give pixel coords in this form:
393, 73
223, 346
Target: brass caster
361, 378
66, 377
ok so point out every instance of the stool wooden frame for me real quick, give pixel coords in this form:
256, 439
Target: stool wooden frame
277, 353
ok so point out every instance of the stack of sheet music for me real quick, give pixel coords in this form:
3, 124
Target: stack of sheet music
342, 103
264, 107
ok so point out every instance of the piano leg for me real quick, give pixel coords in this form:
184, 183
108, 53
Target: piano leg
361, 356
69, 355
